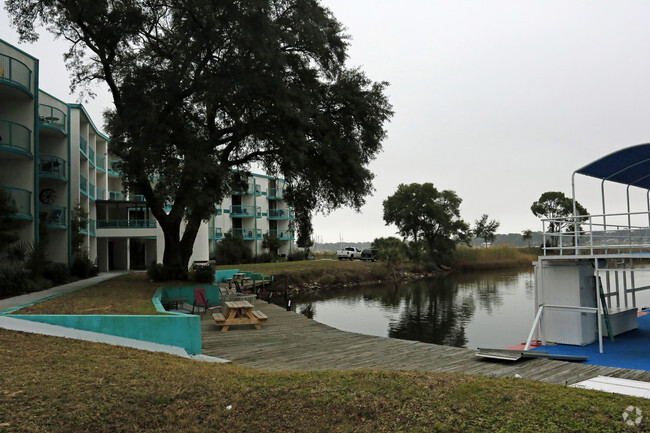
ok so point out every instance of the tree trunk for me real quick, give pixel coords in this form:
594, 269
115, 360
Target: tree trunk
172, 256
189, 236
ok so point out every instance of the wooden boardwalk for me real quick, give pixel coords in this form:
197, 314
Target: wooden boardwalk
290, 341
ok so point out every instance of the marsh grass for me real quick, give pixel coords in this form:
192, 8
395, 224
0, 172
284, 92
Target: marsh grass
496, 257
62, 385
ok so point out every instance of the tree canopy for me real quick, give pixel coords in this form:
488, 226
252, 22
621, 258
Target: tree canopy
558, 208
204, 90
485, 229
421, 212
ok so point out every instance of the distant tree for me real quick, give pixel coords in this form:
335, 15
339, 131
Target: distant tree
421, 212
485, 229
202, 88
392, 252
558, 209
527, 235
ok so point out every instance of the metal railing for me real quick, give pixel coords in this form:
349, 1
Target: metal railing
275, 193
280, 214
21, 200
239, 211
101, 194
52, 165
248, 234
126, 224
111, 169
100, 162
251, 189
52, 117
83, 184
615, 233
283, 235
15, 136
53, 215
16, 71
215, 233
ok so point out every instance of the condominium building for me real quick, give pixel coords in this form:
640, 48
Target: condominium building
53, 158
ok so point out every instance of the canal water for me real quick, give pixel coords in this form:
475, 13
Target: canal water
494, 309
488, 309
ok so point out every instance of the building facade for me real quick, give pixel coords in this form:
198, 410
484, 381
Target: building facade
54, 159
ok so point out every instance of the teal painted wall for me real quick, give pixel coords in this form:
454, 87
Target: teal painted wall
183, 330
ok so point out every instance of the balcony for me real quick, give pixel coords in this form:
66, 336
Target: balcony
52, 166
215, 233
248, 234
126, 224
275, 193
280, 214
15, 138
90, 228
54, 216
101, 194
283, 235
21, 200
83, 146
91, 155
238, 211
111, 167
91, 190
100, 162
120, 196
250, 190
83, 185
15, 73
52, 118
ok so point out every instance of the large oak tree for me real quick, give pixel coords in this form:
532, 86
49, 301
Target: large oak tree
423, 213
204, 90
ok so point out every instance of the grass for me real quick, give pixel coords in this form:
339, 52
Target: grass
127, 294
61, 385
496, 257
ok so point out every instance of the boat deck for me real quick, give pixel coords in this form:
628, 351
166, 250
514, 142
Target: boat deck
290, 341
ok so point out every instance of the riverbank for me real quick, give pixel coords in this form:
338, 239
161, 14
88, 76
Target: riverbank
326, 271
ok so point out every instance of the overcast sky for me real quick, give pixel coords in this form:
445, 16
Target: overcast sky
499, 101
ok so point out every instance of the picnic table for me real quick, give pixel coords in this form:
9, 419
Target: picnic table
239, 313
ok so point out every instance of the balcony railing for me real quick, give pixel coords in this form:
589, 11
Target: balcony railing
275, 193
120, 196
126, 224
83, 184
111, 168
597, 234
283, 235
91, 191
250, 190
248, 234
21, 200
15, 71
238, 211
91, 226
215, 233
83, 146
101, 194
100, 162
52, 165
91, 155
280, 214
15, 137
52, 215
52, 117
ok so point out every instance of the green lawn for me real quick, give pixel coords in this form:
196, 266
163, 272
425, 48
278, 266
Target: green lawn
60, 385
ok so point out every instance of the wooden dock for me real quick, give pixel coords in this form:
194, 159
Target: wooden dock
290, 341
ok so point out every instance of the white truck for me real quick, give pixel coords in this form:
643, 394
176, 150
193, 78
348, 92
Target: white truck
349, 253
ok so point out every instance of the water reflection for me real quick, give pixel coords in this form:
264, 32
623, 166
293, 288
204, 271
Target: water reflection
470, 310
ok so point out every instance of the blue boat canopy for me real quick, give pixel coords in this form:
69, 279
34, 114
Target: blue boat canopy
629, 166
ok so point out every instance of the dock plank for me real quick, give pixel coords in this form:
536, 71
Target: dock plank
290, 341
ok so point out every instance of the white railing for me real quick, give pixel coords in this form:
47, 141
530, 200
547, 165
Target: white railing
597, 234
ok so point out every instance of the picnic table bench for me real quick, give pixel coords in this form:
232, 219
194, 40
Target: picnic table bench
239, 313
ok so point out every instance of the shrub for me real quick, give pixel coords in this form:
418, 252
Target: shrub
202, 274
232, 250
15, 280
83, 267
265, 258
297, 256
161, 272
57, 273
